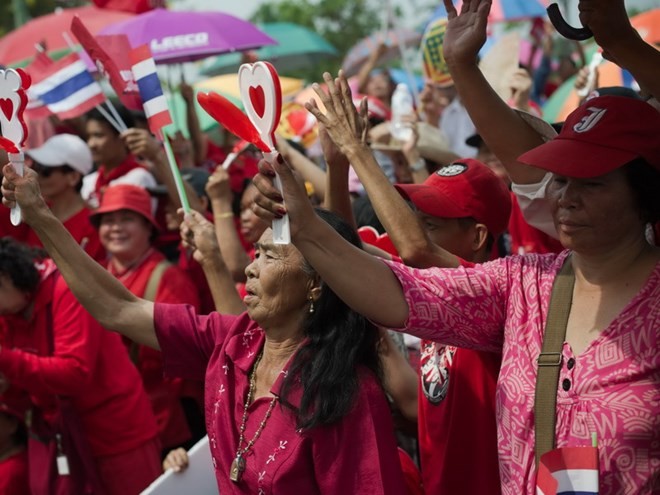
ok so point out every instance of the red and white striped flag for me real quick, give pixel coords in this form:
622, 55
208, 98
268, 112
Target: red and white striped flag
568, 471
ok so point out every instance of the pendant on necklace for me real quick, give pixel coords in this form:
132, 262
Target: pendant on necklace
237, 468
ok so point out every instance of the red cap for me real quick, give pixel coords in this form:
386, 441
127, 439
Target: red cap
465, 188
601, 135
124, 197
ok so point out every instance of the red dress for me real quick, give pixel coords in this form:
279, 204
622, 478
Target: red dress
356, 455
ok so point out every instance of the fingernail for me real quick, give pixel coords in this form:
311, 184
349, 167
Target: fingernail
278, 216
279, 159
281, 210
278, 197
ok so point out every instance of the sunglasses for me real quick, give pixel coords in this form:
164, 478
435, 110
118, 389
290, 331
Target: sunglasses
46, 172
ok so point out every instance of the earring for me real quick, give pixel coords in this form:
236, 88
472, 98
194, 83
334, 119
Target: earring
311, 305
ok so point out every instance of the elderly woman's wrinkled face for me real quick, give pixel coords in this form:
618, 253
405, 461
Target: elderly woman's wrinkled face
592, 215
278, 288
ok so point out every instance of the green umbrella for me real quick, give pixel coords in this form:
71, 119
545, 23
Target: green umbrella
297, 47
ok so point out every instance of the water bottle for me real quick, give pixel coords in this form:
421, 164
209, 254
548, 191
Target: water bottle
402, 104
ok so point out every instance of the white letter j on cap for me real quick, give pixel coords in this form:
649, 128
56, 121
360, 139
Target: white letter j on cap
589, 121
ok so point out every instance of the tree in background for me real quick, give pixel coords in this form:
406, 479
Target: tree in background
14, 13
341, 22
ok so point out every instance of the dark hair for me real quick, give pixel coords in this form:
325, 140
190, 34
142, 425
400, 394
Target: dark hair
644, 179
338, 341
123, 112
365, 215
17, 262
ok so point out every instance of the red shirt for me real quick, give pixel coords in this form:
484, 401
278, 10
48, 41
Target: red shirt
164, 392
7, 229
356, 455
82, 230
456, 420
90, 365
14, 475
527, 239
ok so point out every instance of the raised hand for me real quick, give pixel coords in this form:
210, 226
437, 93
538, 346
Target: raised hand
141, 142
466, 32
333, 155
345, 126
609, 23
198, 235
24, 191
268, 204
217, 187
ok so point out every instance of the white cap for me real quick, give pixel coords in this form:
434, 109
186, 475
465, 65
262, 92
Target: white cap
64, 149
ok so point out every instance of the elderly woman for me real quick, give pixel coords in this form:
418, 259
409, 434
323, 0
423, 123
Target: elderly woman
606, 166
293, 399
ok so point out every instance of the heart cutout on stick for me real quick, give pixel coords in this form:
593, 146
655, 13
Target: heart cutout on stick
258, 100
7, 107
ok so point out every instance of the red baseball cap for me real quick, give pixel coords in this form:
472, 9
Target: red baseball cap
601, 135
465, 188
124, 197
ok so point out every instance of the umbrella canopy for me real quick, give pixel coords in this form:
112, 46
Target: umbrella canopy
227, 86
176, 36
502, 10
565, 99
296, 47
359, 54
20, 44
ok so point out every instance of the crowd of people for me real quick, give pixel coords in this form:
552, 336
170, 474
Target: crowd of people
396, 345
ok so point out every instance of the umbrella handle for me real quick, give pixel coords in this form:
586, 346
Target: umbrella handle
564, 28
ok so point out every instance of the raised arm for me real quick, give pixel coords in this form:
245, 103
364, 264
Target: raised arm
234, 256
198, 234
199, 140
347, 129
621, 44
308, 170
102, 295
362, 281
505, 133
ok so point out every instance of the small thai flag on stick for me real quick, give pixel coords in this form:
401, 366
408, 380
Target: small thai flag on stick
153, 99
568, 471
156, 110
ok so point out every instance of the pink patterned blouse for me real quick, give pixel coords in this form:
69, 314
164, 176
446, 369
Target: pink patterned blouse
611, 389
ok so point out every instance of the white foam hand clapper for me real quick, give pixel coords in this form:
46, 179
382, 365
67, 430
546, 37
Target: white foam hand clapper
262, 99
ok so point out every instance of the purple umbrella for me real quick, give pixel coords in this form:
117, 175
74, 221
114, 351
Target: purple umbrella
183, 36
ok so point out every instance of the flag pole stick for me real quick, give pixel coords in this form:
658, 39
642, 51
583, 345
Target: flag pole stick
110, 119
115, 114
178, 180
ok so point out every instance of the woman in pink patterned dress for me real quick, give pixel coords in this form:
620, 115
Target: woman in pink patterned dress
606, 176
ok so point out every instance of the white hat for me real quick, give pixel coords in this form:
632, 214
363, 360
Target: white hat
64, 149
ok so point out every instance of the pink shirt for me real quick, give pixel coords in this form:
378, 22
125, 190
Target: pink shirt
356, 455
611, 389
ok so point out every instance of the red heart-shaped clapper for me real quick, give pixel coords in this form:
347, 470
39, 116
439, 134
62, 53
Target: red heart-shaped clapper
369, 235
7, 145
258, 100
231, 118
7, 107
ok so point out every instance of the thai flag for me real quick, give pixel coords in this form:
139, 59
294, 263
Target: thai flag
153, 100
67, 88
568, 471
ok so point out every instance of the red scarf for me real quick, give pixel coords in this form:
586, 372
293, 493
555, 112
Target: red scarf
103, 179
